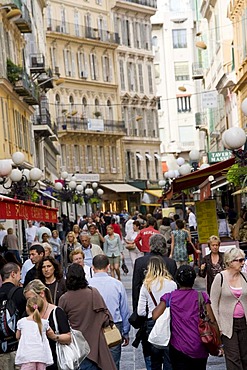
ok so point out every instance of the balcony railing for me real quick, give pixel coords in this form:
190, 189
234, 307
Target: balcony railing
197, 71
83, 32
99, 125
150, 3
24, 22
26, 88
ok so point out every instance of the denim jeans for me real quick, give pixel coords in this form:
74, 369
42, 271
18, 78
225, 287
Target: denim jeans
160, 358
116, 350
88, 365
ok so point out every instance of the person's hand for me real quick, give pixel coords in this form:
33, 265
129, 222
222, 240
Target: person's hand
198, 251
170, 256
203, 266
125, 341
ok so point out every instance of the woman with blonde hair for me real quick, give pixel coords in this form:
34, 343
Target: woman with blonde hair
70, 244
229, 303
76, 230
33, 350
37, 289
212, 263
157, 282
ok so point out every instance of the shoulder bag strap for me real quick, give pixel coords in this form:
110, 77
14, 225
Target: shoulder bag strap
55, 320
243, 276
55, 293
153, 299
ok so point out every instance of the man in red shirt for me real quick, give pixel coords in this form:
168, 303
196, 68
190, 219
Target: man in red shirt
142, 239
116, 227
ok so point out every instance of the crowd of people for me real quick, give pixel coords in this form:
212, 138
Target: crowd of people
73, 276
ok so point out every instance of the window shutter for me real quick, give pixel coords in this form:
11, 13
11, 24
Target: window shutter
72, 64
104, 67
110, 69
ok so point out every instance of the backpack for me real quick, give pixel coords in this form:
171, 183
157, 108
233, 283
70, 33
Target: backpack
8, 321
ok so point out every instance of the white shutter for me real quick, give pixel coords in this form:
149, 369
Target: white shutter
72, 64
66, 62
85, 62
110, 70
92, 66
96, 67
104, 67
79, 63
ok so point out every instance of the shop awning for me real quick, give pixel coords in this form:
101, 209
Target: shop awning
240, 191
15, 209
194, 179
47, 195
121, 188
156, 193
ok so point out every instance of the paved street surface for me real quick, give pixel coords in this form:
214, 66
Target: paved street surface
132, 359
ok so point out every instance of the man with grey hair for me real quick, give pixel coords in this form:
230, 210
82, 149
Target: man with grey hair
89, 250
157, 243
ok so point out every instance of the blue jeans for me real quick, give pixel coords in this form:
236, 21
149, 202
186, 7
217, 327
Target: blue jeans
116, 350
88, 365
160, 358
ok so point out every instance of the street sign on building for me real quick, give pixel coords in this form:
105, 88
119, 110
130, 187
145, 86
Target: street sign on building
209, 99
214, 157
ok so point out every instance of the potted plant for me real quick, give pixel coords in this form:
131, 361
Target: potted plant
14, 72
97, 114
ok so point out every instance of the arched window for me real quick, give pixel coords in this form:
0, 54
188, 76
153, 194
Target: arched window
58, 105
84, 108
71, 102
109, 110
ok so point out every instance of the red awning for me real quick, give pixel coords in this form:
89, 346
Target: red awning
194, 179
16, 209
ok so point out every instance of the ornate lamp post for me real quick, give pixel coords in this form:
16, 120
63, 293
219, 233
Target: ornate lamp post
70, 191
19, 181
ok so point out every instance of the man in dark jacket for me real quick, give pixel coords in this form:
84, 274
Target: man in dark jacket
158, 246
11, 275
36, 254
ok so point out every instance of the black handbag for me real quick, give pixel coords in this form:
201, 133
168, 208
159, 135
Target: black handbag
137, 321
124, 267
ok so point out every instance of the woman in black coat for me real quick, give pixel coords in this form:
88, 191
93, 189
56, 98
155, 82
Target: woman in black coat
212, 263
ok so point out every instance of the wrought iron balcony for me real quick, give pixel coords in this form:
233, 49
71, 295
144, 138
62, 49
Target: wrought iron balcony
42, 125
24, 22
37, 63
197, 71
26, 88
90, 125
83, 32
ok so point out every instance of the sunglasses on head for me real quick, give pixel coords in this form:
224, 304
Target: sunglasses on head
239, 260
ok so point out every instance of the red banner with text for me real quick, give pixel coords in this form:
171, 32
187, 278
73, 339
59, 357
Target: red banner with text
22, 210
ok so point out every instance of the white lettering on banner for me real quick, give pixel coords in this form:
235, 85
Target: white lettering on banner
88, 177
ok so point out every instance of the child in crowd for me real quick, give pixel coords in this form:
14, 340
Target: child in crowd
33, 351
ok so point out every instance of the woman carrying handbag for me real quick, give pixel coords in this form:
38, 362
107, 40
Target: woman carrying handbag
187, 351
157, 282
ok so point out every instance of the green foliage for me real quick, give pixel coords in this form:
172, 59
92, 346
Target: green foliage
94, 200
13, 71
236, 175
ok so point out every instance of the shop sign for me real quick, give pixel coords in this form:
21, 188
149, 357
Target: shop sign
214, 157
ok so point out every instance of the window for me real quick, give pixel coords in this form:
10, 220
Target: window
179, 38
77, 158
67, 62
138, 165
178, 5
131, 76
53, 58
107, 68
126, 32
121, 71
63, 18
57, 105
102, 158
140, 75
71, 102
76, 22
110, 111
113, 158
181, 71
183, 104
94, 69
89, 158
84, 108
82, 64
150, 80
